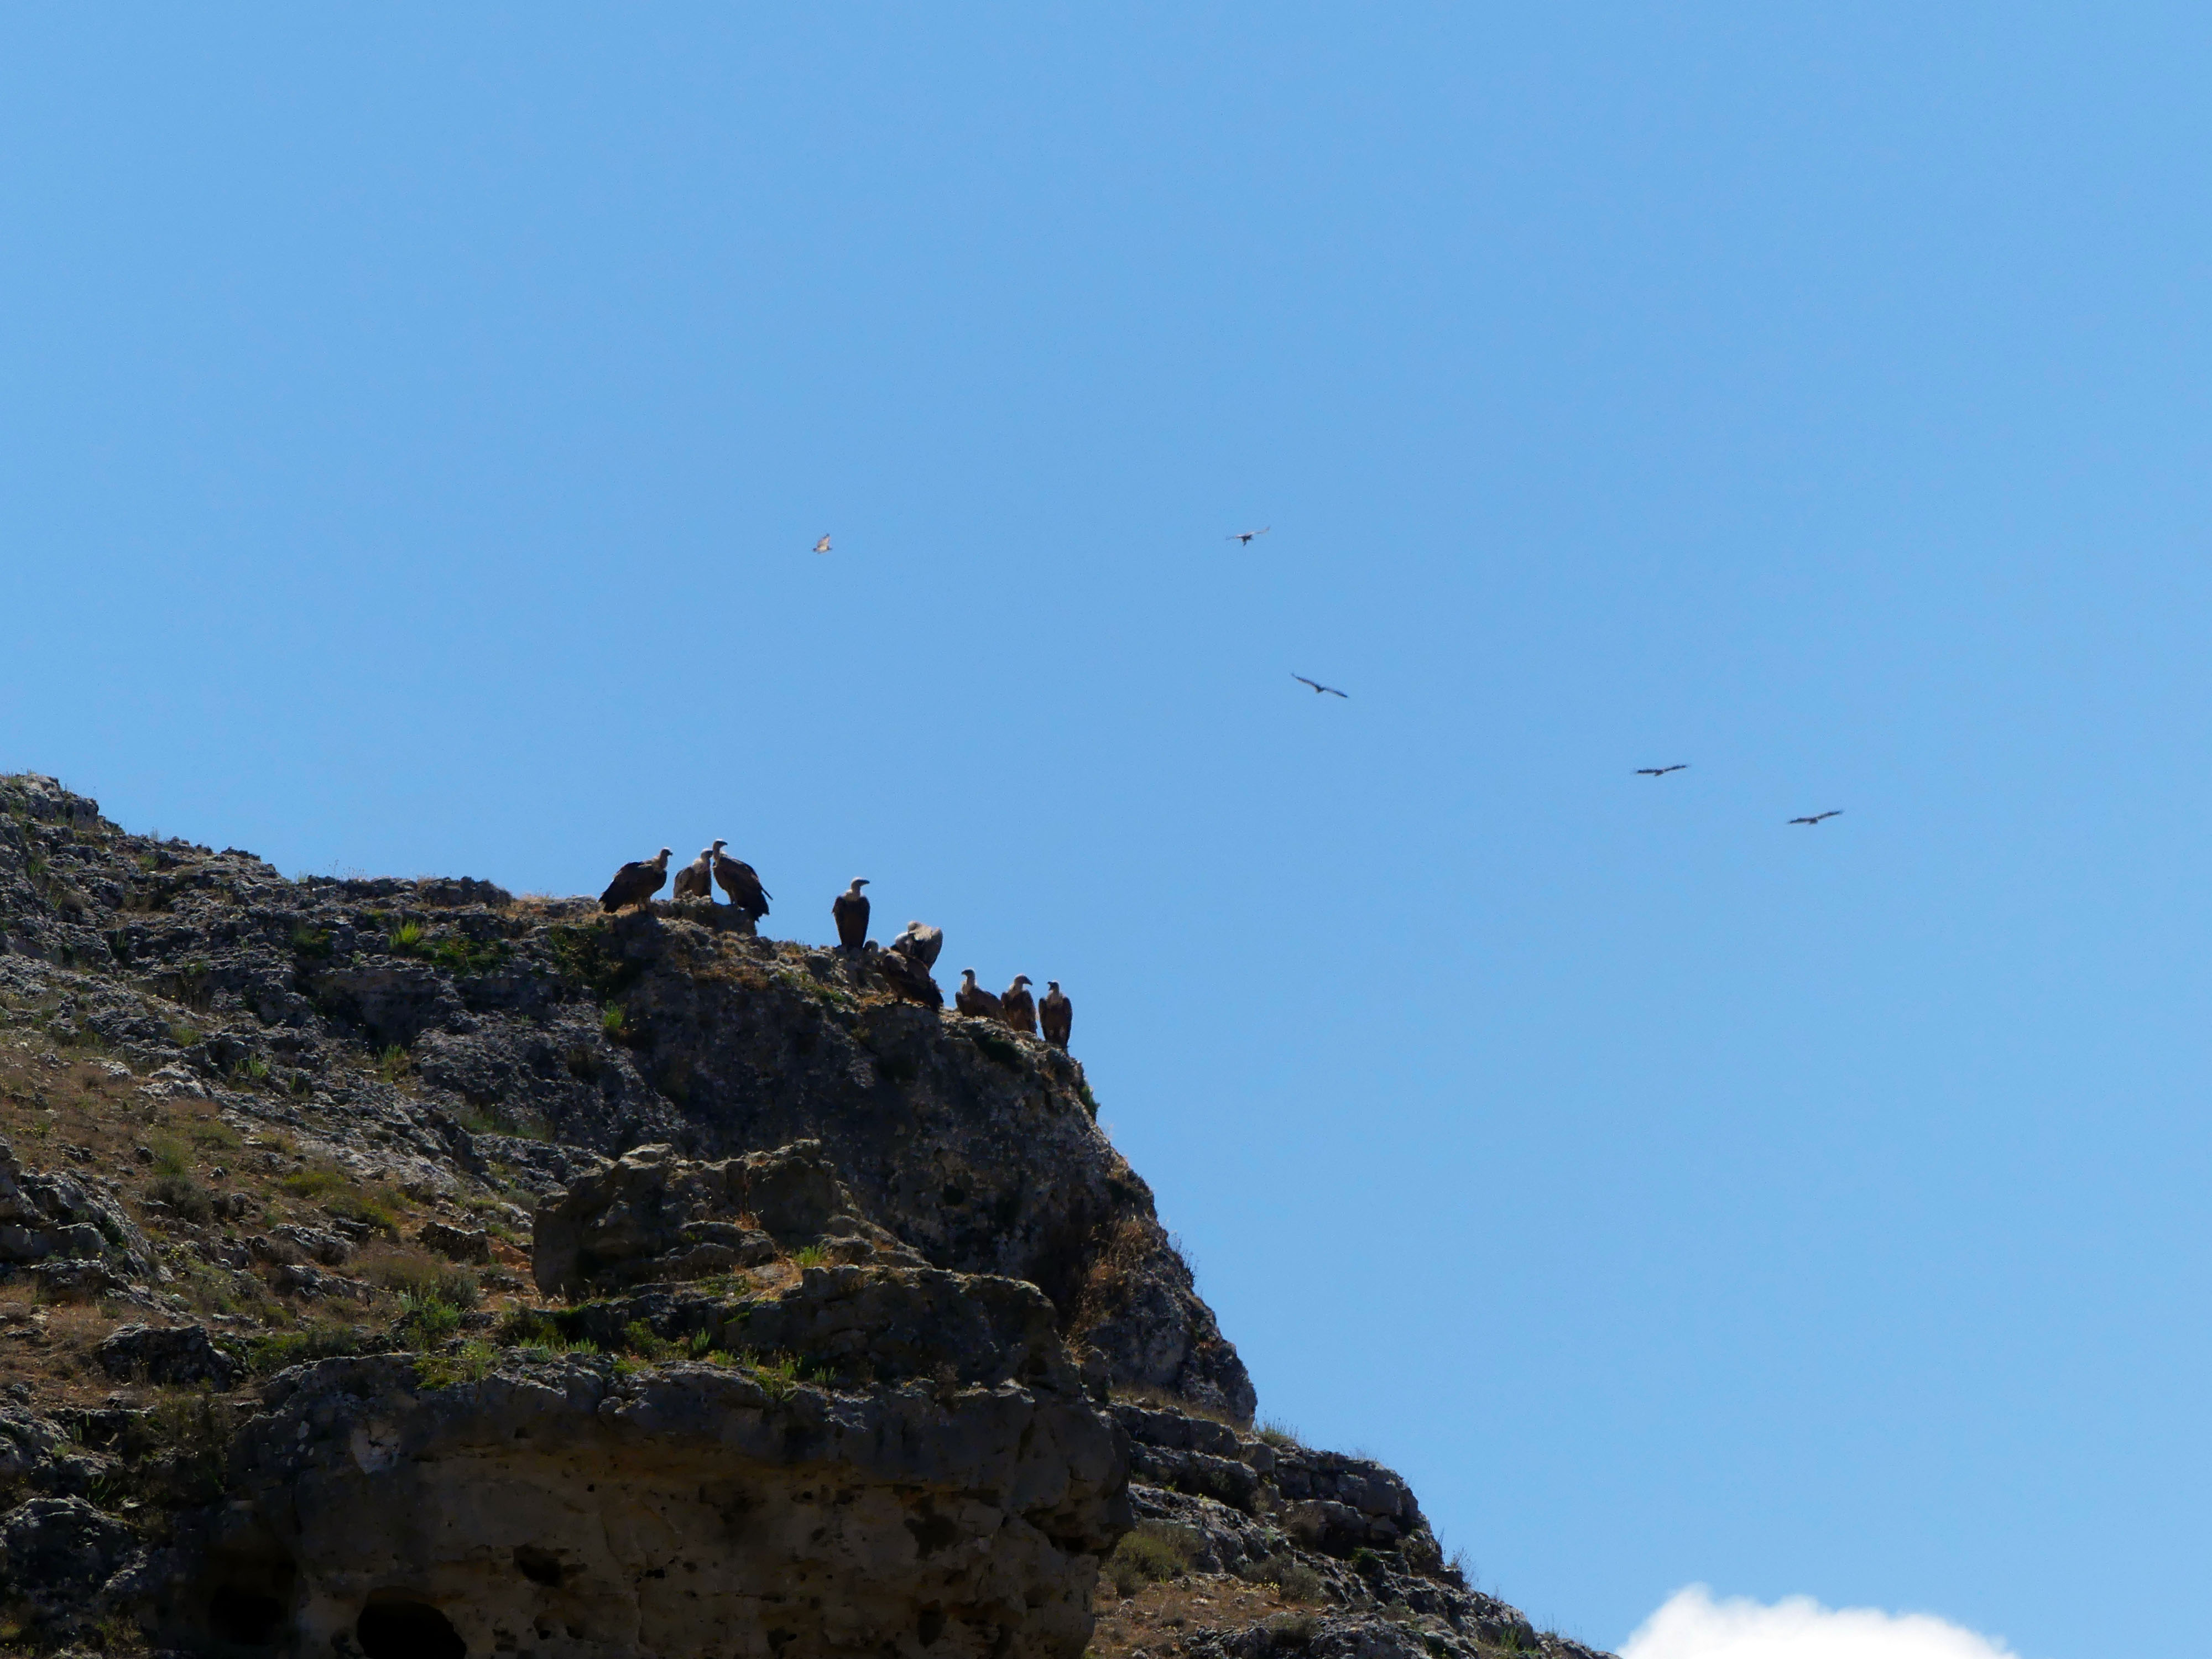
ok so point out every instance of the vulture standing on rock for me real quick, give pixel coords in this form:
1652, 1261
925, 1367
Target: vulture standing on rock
1057, 1013
636, 883
909, 980
1017, 1007
851, 912
921, 943
973, 998
692, 881
738, 879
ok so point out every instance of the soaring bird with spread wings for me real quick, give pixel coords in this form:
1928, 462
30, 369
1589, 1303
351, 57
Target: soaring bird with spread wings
1836, 812
1246, 536
822, 546
1661, 771
1319, 688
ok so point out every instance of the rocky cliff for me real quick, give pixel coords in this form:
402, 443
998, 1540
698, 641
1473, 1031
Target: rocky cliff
403, 1267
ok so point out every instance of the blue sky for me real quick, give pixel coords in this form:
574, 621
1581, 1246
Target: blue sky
415, 426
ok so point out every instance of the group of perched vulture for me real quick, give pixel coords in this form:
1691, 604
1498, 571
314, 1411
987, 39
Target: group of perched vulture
905, 967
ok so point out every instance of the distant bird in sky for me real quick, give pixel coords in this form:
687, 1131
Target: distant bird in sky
1319, 688
1661, 771
822, 546
1246, 536
1837, 813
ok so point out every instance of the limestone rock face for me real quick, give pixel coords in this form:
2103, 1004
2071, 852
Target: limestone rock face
651, 1215
559, 1508
50, 1217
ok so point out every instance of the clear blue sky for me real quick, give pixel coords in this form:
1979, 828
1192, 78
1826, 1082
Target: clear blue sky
414, 428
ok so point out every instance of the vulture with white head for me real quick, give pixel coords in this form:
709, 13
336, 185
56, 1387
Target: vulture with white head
973, 998
850, 911
909, 980
636, 882
921, 943
1017, 1007
693, 881
1057, 1013
737, 879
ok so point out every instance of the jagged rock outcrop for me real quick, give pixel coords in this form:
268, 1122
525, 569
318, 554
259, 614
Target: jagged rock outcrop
651, 1215
1265, 1510
51, 1218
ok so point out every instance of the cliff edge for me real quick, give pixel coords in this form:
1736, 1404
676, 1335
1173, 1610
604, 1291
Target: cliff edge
404, 1268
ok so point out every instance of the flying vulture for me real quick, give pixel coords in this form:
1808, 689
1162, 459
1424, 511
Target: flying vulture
909, 980
973, 998
921, 943
851, 911
822, 546
1017, 1007
1318, 687
1837, 813
1661, 771
1057, 1013
1246, 536
636, 883
738, 879
693, 881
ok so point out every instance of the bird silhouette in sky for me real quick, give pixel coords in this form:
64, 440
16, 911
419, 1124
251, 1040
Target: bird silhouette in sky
1245, 536
822, 546
1836, 813
1319, 688
1661, 771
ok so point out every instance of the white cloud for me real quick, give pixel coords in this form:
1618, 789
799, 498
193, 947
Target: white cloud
1692, 1625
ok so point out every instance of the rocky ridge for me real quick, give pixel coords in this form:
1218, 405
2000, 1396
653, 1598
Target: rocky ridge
403, 1267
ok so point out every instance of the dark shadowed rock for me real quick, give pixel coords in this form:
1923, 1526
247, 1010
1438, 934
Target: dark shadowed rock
175, 1354
456, 1243
55, 1548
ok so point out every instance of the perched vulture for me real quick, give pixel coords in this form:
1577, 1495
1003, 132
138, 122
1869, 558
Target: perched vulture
909, 980
851, 911
1017, 1007
736, 877
636, 883
692, 881
921, 943
1057, 1014
973, 998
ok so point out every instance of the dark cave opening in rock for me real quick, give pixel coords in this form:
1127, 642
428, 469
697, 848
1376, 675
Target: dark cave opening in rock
539, 1566
247, 1617
407, 1629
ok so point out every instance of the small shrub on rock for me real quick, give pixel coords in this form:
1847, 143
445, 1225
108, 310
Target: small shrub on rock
267, 1355
186, 1198
1154, 1551
427, 1278
425, 1321
472, 1362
